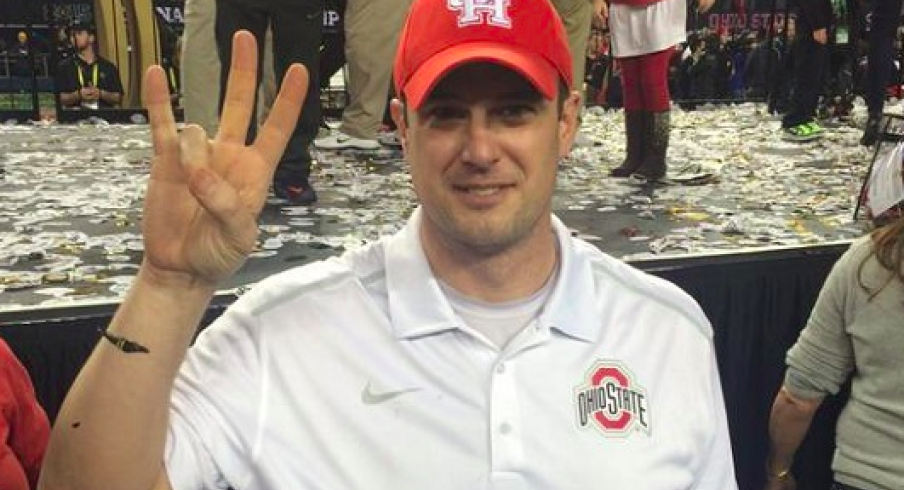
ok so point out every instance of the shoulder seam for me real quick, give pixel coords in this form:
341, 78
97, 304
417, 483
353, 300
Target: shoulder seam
698, 318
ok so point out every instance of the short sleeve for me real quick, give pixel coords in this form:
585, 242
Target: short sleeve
214, 407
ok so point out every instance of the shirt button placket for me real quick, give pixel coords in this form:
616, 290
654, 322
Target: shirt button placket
507, 450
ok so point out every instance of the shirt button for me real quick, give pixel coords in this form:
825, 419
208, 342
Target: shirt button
500, 369
505, 428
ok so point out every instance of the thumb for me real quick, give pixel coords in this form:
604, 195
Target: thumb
194, 148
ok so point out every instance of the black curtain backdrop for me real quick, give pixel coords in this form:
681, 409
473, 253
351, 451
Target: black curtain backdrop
757, 303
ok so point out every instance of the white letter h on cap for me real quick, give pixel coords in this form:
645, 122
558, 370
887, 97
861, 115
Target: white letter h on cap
475, 12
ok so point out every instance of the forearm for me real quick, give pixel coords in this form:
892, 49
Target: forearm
70, 99
788, 424
112, 98
111, 430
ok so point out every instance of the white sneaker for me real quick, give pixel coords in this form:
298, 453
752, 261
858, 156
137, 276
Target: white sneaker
341, 141
389, 138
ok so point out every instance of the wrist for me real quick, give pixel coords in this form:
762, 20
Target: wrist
178, 283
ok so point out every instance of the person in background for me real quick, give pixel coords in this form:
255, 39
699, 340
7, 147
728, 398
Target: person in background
171, 65
760, 62
86, 80
474, 349
855, 332
24, 428
578, 17
814, 20
21, 52
297, 27
372, 30
884, 20
781, 72
644, 34
597, 67
62, 46
199, 64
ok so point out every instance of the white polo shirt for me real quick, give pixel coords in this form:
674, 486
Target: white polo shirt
354, 373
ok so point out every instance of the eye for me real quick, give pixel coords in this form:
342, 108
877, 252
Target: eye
444, 115
516, 111
441, 113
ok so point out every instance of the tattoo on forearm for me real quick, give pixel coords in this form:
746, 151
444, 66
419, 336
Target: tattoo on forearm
123, 344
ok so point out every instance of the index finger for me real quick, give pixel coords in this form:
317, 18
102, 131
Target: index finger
160, 113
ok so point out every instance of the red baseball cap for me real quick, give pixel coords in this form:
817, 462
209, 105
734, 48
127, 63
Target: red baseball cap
526, 36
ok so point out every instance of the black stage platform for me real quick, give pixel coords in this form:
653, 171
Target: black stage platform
753, 245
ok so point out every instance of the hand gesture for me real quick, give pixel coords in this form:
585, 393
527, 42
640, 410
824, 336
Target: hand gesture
204, 196
89, 94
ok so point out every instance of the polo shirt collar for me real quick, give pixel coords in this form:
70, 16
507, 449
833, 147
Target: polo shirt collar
418, 307
572, 307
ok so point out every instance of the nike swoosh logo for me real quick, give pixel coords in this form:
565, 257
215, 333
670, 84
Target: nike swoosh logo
368, 397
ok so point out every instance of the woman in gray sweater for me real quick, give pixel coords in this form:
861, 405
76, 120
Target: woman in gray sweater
856, 330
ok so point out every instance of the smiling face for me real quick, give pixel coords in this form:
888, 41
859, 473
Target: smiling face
483, 150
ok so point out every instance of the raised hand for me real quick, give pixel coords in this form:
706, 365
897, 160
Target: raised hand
204, 195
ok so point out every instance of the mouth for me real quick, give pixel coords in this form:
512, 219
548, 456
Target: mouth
481, 190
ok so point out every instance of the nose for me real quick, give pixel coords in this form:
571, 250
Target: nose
481, 146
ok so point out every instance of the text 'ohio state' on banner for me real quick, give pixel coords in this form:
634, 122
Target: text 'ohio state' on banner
738, 15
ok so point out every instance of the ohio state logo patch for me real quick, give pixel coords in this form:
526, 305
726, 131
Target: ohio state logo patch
612, 401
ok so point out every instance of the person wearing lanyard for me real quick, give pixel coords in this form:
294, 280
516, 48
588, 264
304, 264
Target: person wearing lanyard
87, 80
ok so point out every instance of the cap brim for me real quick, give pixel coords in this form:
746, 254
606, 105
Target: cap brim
535, 69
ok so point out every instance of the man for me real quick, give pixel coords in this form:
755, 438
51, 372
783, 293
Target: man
480, 347
297, 27
87, 80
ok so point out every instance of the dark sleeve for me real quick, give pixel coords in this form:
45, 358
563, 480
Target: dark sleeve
65, 79
29, 428
112, 82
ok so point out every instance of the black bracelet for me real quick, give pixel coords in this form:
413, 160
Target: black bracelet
123, 344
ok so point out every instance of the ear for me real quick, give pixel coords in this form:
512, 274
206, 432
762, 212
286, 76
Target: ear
569, 123
397, 111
